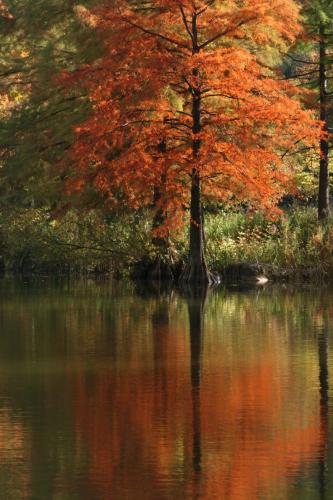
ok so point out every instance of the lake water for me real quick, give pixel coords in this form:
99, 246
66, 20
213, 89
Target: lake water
111, 392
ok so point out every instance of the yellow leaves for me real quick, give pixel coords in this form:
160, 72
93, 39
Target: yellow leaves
85, 16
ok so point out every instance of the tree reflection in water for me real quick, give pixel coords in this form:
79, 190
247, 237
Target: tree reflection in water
195, 311
324, 417
166, 395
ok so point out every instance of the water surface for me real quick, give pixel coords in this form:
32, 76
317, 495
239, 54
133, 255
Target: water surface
111, 392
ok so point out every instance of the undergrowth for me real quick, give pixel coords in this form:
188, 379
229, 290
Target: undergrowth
295, 240
31, 240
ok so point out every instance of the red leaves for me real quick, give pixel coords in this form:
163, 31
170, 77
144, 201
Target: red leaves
155, 63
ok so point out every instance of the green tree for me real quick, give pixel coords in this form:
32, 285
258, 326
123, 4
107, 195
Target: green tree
311, 64
39, 39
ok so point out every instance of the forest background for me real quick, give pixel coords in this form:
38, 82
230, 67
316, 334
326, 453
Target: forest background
100, 150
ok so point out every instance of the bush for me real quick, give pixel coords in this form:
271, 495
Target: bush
78, 242
294, 240
84, 242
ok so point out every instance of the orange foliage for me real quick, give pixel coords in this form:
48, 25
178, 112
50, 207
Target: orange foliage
157, 60
4, 11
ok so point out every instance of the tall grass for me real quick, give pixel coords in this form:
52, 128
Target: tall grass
295, 240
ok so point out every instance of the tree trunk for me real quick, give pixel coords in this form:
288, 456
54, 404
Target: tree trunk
323, 194
196, 271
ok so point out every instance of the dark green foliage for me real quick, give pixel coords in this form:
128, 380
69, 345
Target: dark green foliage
90, 241
81, 242
46, 37
311, 64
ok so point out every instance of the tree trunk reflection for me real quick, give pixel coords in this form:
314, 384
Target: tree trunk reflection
324, 387
196, 304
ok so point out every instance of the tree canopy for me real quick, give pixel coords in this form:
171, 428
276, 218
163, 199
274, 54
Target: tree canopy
172, 105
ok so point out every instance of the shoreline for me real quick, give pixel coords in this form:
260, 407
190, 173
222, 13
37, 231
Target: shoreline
243, 272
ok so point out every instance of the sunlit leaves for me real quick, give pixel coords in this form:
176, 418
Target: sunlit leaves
141, 90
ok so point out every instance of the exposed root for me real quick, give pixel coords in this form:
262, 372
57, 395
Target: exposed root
198, 275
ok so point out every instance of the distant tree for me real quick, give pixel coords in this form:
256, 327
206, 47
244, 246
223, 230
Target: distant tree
39, 38
311, 63
320, 15
192, 75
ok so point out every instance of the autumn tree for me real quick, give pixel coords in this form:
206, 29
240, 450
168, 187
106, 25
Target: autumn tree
193, 75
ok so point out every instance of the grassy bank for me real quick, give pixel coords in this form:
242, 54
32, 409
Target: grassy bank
294, 244
31, 241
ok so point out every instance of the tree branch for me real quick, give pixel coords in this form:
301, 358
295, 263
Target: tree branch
157, 35
186, 23
225, 32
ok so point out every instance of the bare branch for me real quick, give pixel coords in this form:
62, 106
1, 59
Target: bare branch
186, 23
157, 35
225, 32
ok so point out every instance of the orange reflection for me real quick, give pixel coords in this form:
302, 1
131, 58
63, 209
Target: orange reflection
200, 418
258, 433
14, 456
